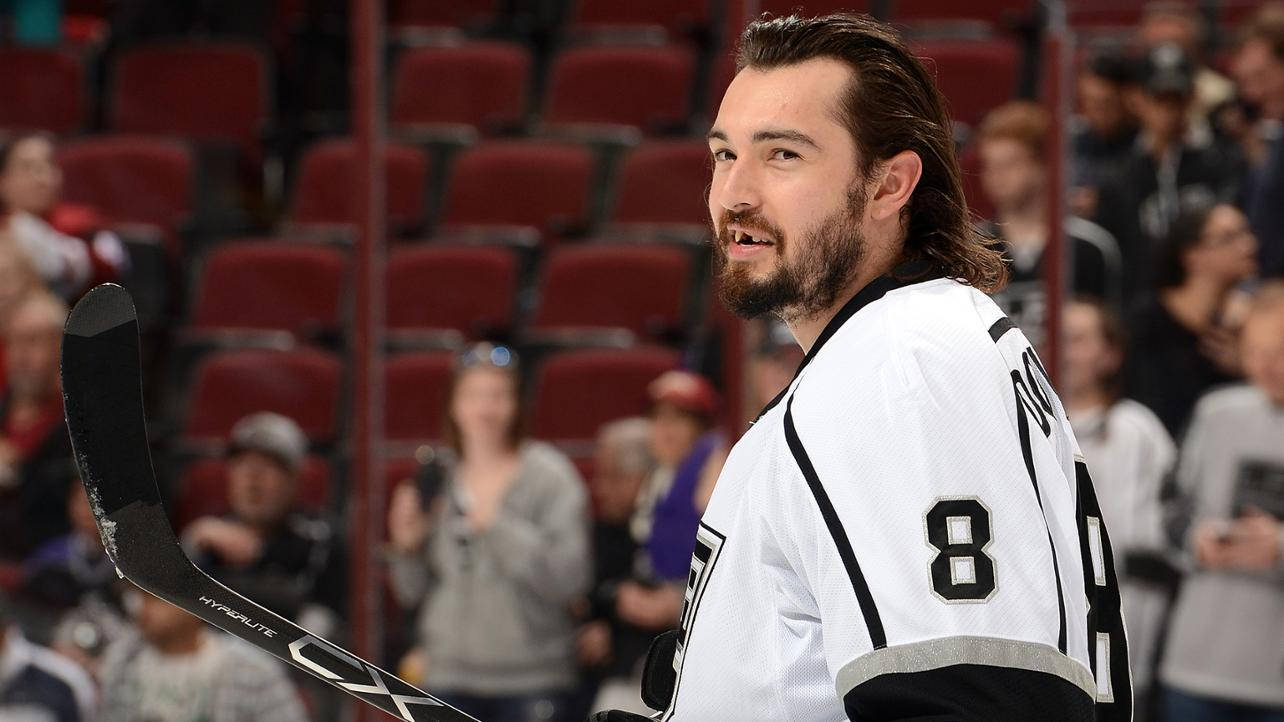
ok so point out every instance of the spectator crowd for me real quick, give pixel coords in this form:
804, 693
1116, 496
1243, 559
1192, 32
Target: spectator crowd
526, 574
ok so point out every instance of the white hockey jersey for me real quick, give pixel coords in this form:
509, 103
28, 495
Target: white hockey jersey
908, 531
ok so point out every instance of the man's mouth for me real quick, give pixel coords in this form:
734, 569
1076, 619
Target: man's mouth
743, 238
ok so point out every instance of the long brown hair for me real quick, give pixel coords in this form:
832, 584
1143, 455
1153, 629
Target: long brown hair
891, 105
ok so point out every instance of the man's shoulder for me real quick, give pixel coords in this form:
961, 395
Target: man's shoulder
1232, 400
913, 335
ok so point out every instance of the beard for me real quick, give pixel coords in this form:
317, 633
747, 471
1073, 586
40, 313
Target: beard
827, 260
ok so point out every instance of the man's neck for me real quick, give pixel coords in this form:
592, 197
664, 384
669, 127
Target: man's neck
1024, 225
1085, 401
182, 645
807, 330
1196, 302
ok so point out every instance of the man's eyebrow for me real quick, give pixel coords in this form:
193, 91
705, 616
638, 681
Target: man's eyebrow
784, 134
768, 135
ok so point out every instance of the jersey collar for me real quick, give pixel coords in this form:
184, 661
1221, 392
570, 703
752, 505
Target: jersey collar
873, 291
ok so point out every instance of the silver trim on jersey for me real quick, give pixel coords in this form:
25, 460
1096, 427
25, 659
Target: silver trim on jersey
947, 651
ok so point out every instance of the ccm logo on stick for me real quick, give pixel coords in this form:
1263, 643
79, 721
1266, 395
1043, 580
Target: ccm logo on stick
377, 683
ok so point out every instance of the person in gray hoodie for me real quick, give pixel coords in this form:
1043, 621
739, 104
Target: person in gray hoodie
1225, 657
497, 553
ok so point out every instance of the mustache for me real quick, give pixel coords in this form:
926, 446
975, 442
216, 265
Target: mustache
753, 220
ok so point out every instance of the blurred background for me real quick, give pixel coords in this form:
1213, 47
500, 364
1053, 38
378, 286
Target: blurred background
433, 365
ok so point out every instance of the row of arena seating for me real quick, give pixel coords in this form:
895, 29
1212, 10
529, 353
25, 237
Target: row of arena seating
219, 92
308, 384
445, 292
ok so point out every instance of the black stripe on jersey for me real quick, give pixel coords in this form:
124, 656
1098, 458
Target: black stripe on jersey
1000, 327
969, 693
1023, 428
873, 622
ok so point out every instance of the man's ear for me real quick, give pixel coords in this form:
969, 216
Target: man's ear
898, 177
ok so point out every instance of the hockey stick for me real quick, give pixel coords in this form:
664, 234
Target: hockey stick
102, 393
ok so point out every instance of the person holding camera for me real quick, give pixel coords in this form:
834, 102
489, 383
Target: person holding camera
497, 552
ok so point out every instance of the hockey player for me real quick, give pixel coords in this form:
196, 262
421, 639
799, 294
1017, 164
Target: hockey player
908, 532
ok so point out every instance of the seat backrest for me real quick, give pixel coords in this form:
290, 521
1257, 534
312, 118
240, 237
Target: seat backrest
208, 92
435, 13
520, 183
676, 16
469, 289
646, 87
480, 84
974, 76
664, 182
642, 288
416, 387
43, 89
319, 199
131, 179
303, 384
271, 285
578, 391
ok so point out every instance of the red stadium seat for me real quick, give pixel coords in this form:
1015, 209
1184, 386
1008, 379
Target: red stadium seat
680, 17
811, 8
975, 76
436, 13
271, 285
471, 290
43, 89
578, 391
302, 384
642, 288
996, 13
202, 489
1104, 13
318, 200
132, 180
415, 387
646, 87
478, 84
542, 185
664, 182
216, 92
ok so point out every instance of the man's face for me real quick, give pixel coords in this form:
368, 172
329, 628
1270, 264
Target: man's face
673, 433
1101, 103
1162, 115
31, 180
1260, 75
260, 490
32, 342
1262, 345
160, 622
786, 201
614, 489
1010, 174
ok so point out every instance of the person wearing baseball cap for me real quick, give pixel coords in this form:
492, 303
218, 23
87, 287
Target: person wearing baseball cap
1171, 169
267, 547
689, 451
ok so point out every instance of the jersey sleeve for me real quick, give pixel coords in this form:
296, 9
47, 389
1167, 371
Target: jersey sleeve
936, 537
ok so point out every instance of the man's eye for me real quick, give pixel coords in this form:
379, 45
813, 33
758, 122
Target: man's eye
724, 154
782, 154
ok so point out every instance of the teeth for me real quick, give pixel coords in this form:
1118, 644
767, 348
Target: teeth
739, 236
